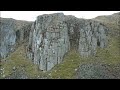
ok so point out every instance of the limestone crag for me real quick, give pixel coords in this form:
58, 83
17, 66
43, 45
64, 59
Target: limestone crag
49, 41
53, 35
12, 33
86, 35
7, 37
92, 35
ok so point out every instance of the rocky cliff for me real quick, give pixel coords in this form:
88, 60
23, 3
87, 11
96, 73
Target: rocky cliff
12, 33
49, 41
53, 35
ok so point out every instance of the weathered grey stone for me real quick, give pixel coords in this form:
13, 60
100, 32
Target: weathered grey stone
7, 38
49, 41
53, 35
92, 35
12, 33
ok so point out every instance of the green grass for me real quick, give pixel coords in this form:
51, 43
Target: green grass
66, 69
111, 54
18, 60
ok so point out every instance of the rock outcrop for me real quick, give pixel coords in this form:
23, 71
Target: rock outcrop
53, 35
7, 37
92, 35
49, 41
12, 33
86, 35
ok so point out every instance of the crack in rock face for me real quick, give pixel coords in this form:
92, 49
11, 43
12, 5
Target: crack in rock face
12, 33
53, 35
92, 35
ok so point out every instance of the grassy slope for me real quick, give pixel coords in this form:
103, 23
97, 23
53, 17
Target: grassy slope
111, 21
66, 69
19, 61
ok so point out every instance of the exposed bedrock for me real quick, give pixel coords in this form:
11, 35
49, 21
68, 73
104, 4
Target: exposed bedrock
7, 38
12, 33
92, 35
53, 35
49, 41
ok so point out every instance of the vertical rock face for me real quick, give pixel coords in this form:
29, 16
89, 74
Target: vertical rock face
49, 41
92, 35
11, 33
7, 37
22, 34
86, 35
53, 35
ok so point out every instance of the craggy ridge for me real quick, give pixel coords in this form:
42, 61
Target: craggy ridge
53, 35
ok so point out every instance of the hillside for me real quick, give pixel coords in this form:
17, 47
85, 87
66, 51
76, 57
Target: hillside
112, 22
90, 49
